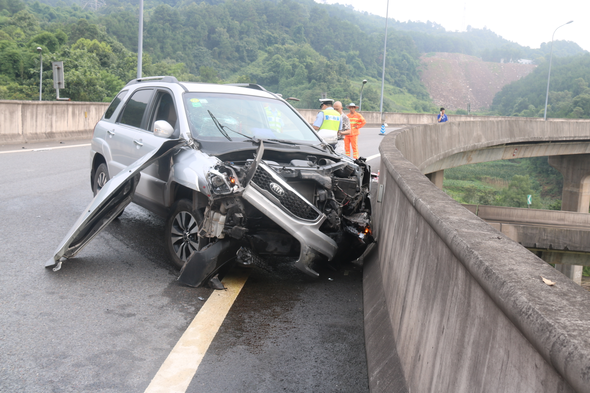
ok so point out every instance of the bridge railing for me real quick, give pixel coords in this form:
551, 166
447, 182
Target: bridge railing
466, 308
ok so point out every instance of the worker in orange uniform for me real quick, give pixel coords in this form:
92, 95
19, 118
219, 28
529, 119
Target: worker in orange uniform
357, 121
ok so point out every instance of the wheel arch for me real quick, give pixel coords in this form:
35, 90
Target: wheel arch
96, 161
179, 191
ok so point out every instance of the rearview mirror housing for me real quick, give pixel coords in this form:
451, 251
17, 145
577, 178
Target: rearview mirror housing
163, 129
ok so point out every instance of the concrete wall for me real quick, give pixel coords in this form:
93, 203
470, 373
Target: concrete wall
374, 118
466, 307
29, 121
531, 216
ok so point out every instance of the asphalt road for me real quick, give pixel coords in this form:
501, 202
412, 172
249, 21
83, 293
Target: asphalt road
110, 317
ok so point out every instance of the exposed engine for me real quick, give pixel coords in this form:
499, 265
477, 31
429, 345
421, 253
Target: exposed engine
309, 189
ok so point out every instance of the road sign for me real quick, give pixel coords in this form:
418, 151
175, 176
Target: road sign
58, 74
529, 199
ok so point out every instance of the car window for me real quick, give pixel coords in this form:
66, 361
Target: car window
115, 104
165, 109
251, 116
135, 108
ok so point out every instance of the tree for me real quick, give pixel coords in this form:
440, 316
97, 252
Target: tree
515, 195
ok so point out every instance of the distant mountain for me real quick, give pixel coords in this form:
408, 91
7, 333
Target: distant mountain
456, 81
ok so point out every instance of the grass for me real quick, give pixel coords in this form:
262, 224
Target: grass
484, 183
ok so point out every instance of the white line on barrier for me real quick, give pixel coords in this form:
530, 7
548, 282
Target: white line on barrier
43, 149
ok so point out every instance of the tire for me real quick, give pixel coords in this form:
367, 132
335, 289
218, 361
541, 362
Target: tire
182, 228
100, 178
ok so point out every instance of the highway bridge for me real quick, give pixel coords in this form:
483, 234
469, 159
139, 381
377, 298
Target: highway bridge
558, 237
451, 304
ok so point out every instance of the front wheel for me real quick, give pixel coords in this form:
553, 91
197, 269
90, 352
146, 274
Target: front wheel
182, 229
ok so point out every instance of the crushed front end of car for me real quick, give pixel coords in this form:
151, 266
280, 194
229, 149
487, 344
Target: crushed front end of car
306, 207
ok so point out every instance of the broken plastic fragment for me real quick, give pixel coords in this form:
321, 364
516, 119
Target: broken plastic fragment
57, 267
548, 282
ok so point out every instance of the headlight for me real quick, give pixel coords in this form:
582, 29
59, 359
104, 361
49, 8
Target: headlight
221, 183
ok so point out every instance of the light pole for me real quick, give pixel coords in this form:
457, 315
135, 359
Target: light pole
140, 39
382, 131
549, 74
40, 50
361, 98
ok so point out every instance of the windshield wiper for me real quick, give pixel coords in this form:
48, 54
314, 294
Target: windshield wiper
321, 147
283, 142
219, 126
222, 129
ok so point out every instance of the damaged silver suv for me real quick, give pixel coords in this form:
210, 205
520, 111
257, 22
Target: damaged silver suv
238, 174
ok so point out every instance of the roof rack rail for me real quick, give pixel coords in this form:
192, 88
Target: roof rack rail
248, 86
169, 79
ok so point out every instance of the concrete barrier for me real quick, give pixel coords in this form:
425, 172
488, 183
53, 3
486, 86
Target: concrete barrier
30, 121
530, 216
465, 307
374, 118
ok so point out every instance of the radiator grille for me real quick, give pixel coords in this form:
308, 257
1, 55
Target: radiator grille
292, 202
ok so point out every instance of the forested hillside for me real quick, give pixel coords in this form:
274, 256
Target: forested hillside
569, 95
294, 47
298, 49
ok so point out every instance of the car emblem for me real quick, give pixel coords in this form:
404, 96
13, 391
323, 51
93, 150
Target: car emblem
277, 189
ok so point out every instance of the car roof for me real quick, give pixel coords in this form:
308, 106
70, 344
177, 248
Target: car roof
198, 87
194, 87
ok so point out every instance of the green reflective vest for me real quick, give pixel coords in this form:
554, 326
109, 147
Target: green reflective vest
331, 120
275, 121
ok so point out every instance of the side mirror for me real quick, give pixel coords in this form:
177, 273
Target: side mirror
163, 129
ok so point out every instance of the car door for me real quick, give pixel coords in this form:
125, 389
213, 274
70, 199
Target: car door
108, 203
135, 138
126, 138
151, 189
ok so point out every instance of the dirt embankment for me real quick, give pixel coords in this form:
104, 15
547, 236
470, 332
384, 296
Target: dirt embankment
454, 80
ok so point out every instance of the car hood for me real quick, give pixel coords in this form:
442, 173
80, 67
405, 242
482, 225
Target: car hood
108, 203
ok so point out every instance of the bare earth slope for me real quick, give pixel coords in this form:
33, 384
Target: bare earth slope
455, 80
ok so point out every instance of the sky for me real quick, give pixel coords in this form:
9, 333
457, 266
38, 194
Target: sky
526, 22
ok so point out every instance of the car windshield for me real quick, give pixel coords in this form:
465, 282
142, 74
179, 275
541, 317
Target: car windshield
219, 117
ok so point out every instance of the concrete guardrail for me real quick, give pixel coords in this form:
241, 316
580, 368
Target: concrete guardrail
451, 304
30, 121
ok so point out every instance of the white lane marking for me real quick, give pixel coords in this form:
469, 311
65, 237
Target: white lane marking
373, 157
43, 149
182, 363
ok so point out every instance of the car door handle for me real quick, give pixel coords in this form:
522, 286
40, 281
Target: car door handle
138, 142
111, 132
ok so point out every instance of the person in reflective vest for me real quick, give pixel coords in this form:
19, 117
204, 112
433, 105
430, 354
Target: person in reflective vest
357, 121
327, 122
274, 118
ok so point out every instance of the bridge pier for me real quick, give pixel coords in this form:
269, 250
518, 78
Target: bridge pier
437, 178
568, 264
575, 196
